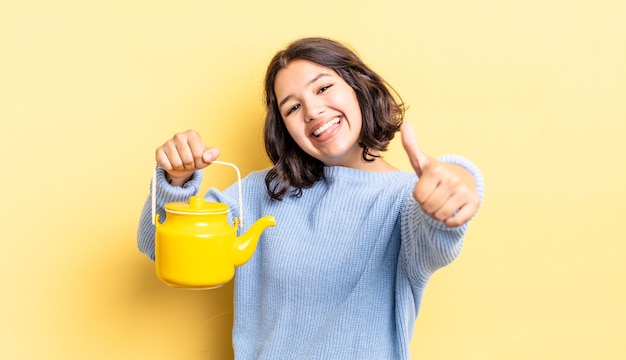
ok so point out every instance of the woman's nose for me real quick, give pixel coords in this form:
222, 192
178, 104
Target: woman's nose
314, 109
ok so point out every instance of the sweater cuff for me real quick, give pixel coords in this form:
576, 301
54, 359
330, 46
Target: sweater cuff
414, 211
166, 193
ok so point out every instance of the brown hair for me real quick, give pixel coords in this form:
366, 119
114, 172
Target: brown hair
382, 114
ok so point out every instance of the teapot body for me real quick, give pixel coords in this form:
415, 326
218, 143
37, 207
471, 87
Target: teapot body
195, 249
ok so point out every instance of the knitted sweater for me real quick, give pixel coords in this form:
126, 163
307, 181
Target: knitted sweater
341, 275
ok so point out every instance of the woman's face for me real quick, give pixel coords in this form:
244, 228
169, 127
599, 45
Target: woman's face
321, 112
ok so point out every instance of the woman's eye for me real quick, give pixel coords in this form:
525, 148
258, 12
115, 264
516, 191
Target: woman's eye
293, 108
324, 88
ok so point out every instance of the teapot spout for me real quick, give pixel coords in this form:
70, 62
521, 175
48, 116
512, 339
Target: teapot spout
246, 243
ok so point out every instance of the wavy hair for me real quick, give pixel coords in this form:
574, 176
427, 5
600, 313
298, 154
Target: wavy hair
382, 114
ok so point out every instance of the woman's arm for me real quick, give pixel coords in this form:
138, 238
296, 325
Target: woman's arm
427, 243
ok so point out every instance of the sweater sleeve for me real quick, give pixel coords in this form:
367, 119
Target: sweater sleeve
428, 244
165, 193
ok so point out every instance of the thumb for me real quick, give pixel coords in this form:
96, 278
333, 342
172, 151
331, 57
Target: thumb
409, 142
210, 154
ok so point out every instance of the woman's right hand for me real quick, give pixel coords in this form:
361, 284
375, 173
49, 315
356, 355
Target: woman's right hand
182, 154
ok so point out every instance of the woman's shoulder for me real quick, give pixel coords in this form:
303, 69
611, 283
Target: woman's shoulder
257, 175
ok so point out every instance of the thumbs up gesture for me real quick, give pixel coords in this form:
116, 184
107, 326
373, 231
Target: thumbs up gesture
446, 192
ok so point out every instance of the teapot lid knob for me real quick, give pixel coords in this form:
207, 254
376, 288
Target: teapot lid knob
196, 202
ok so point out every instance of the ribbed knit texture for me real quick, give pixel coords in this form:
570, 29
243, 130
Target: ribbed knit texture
341, 275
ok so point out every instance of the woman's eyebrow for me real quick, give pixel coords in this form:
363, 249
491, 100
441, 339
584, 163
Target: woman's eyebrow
317, 77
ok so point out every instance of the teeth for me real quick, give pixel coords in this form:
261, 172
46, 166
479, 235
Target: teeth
326, 126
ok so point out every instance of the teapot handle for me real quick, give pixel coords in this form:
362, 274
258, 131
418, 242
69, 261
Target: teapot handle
153, 191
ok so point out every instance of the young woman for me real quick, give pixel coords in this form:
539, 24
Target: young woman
342, 274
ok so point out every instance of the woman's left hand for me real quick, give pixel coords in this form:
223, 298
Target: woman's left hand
446, 192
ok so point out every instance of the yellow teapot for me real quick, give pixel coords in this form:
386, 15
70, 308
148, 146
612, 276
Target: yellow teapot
196, 247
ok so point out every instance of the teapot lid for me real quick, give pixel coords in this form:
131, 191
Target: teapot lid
196, 205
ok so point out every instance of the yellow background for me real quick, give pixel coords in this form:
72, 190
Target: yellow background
534, 92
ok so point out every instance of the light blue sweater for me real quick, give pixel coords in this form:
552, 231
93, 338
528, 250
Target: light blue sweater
341, 275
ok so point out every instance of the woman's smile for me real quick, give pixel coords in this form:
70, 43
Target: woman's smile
326, 128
